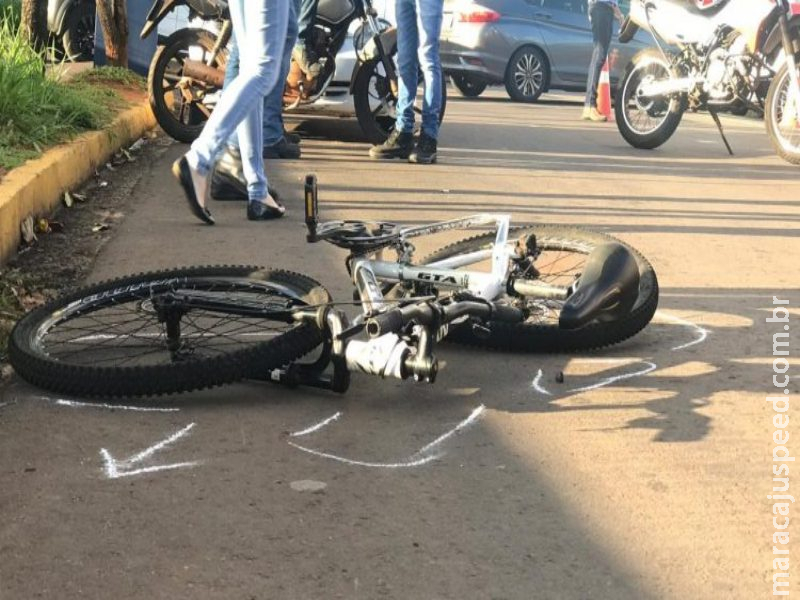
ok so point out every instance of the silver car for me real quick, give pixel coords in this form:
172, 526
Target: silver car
531, 46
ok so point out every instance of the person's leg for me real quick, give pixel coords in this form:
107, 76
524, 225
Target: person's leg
231, 71
302, 51
601, 16
232, 66
605, 33
401, 140
429, 24
407, 63
273, 102
305, 20
265, 23
260, 30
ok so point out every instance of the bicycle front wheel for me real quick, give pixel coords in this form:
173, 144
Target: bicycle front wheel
562, 255
124, 338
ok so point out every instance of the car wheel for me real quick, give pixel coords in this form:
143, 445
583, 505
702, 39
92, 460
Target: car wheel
527, 74
469, 87
78, 39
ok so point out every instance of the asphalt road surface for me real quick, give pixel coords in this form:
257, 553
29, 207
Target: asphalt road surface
643, 475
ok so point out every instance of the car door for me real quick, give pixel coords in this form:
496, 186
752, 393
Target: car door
568, 35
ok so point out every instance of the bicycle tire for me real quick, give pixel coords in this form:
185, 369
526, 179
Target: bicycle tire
69, 365
538, 337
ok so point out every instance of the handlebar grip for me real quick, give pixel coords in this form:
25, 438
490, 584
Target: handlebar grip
311, 206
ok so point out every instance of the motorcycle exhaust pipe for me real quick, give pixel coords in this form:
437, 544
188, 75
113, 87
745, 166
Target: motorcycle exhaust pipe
202, 72
666, 87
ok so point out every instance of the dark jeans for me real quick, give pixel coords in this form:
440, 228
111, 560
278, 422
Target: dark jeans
305, 20
601, 15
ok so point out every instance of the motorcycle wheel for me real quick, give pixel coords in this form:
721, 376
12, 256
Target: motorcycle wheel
782, 125
375, 103
182, 105
78, 39
646, 123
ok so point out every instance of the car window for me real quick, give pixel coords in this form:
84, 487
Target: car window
571, 6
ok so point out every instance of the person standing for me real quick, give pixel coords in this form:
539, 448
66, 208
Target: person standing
419, 24
260, 27
601, 15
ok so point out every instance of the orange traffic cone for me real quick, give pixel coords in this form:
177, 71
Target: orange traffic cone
604, 93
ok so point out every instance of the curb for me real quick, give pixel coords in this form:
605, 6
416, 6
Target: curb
37, 186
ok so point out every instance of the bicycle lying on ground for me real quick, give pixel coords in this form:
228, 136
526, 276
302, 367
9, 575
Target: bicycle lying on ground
544, 288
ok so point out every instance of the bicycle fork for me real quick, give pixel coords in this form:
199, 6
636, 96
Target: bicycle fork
383, 354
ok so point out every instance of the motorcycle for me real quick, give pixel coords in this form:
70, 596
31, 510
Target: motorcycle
188, 70
713, 55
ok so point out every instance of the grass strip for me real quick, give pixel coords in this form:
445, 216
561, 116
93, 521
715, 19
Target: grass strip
39, 109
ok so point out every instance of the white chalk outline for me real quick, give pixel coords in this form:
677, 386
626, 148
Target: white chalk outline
423, 456
316, 427
703, 332
76, 404
113, 466
537, 385
609, 380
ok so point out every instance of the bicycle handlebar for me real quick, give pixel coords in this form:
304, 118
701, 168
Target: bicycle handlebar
429, 313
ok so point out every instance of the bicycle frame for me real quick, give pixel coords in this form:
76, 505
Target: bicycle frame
367, 273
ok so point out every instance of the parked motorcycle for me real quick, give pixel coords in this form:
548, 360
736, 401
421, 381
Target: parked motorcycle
187, 71
714, 55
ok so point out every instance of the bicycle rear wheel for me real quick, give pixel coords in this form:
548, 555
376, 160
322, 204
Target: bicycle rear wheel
562, 255
113, 339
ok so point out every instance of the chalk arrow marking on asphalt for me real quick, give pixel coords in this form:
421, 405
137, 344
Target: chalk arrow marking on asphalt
115, 469
424, 455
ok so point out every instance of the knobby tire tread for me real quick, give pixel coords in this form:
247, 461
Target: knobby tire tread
112, 382
538, 338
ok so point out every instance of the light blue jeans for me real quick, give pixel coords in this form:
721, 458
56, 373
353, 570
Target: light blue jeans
273, 102
419, 23
260, 28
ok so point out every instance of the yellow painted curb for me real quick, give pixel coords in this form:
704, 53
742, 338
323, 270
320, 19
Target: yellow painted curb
37, 186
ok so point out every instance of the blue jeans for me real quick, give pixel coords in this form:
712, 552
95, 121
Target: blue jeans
260, 28
273, 102
305, 20
419, 23
601, 15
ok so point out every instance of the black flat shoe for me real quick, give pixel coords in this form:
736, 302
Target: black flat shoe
227, 177
183, 172
258, 211
224, 187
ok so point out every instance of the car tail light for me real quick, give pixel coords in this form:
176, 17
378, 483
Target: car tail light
477, 14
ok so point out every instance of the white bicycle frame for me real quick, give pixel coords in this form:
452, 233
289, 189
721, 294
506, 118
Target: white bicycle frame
366, 273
